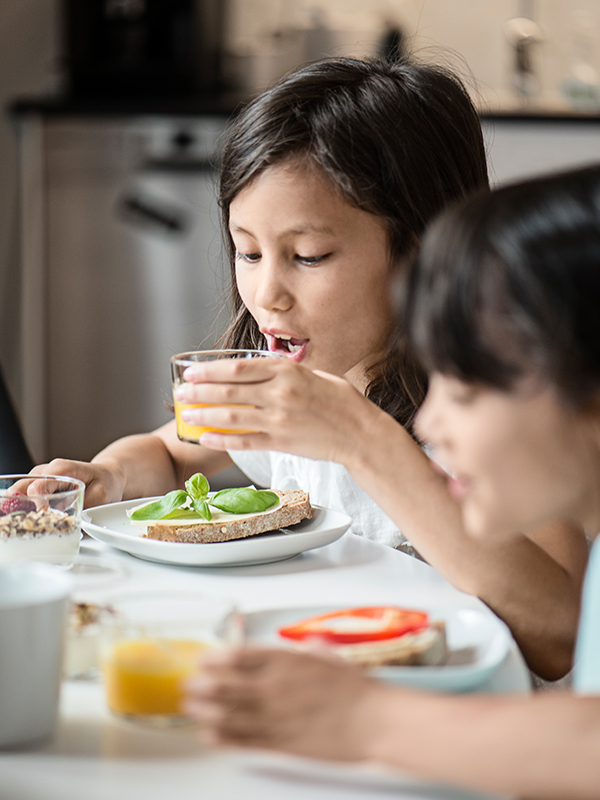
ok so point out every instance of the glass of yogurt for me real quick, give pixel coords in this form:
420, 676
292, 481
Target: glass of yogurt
40, 518
94, 581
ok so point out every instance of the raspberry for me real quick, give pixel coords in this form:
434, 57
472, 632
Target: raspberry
16, 502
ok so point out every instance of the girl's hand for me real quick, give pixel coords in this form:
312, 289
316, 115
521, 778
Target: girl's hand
311, 705
103, 482
276, 404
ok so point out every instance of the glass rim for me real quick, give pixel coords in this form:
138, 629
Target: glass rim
123, 598
186, 357
103, 570
78, 487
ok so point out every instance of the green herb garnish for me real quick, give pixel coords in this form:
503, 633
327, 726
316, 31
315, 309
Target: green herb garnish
160, 508
244, 500
184, 513
194, 502
197, 488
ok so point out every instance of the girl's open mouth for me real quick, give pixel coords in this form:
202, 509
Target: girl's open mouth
289, 346
458, 487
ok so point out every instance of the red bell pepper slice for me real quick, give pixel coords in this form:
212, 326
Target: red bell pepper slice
358, 625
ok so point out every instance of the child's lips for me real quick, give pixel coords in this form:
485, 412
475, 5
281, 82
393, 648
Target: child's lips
292, 347
458, 486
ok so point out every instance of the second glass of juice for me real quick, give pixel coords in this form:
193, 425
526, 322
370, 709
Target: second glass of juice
180, 362
151, 642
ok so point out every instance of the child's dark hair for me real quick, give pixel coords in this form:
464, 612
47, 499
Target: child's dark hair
508, 286
400, 141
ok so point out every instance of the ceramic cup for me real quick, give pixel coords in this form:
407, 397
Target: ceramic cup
34, 602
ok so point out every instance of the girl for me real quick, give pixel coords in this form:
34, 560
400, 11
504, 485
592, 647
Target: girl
503, 308
327, 182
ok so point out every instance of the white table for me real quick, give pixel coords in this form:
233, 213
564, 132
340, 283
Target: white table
94, 756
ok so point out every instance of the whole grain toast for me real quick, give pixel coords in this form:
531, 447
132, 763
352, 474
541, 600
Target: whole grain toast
294, 507
421, 648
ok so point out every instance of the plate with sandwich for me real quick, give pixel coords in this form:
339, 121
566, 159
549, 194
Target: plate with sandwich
441, 649
197, 527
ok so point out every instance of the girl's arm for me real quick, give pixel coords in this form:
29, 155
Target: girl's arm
532, 583
542, 746
142, 465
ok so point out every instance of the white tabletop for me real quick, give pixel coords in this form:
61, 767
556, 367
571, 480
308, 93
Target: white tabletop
94, 756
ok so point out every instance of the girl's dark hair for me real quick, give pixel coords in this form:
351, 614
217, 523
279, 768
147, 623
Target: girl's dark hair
507, 285
400, 141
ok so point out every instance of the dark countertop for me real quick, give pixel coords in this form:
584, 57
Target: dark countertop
538, 116
225, 105
200, 105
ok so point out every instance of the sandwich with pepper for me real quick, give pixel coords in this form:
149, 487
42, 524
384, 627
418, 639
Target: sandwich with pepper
375, 636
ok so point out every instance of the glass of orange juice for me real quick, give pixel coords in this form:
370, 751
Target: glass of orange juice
151, 642
180, 362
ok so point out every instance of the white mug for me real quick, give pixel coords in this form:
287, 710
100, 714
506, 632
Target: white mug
34, 604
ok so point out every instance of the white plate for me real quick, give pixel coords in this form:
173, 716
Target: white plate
477, 640
111, 525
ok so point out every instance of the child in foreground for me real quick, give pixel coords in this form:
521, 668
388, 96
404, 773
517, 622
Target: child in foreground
327, 182
503, 310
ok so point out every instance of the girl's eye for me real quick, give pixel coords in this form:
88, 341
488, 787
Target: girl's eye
251, 258
465, 394
311, 261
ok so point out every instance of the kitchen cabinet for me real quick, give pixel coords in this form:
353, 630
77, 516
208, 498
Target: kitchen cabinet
522, 147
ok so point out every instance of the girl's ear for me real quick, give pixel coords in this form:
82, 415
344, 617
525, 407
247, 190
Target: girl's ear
399, 264
592, 412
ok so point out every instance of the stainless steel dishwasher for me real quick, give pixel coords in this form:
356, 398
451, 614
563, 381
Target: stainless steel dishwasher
128, 270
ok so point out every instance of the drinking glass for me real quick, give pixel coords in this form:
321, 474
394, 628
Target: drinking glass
151, 642
180, 362
40, 522
94, 582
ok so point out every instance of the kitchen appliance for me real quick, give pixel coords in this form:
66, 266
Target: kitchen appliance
128, 272
143, 47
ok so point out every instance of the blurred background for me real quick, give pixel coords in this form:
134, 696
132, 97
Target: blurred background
110, 252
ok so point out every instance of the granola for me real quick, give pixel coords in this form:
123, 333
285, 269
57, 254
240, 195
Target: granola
84, 614
42, 521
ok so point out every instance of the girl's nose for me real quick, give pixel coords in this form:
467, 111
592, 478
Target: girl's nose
421, 423
427, 420
273, 290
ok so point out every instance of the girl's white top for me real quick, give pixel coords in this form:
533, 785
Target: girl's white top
327, 483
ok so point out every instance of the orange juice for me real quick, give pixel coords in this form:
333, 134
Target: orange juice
192, 433
144, 676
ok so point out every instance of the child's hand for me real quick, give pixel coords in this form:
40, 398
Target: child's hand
310, 705
103, 483
287, 408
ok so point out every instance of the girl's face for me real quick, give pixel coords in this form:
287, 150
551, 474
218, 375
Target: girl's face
518, 459
313, 270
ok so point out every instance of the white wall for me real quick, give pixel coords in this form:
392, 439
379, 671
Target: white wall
28, 66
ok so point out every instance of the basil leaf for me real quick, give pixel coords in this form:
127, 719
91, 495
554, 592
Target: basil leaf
201, 506
183, 513
197, 487
160, 508
244, 500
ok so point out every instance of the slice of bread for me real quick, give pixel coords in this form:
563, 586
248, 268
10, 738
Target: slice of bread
421, 648
294, 506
